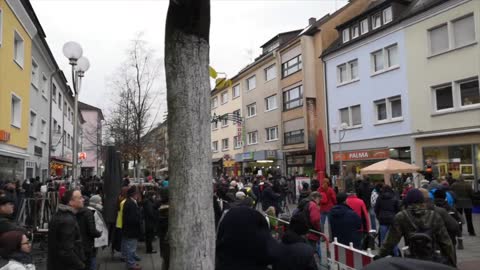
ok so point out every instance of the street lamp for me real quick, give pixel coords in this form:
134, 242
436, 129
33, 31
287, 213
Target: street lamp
74, 52
341, 134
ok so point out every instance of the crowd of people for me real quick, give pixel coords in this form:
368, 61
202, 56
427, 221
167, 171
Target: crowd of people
255, 227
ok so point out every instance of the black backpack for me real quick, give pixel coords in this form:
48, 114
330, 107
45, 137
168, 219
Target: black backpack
303, 213
421, 243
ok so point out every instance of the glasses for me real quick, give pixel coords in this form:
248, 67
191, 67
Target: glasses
26, 243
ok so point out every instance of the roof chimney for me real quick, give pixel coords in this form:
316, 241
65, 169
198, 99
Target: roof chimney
312, 20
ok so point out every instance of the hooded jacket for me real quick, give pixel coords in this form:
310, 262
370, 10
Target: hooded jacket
359, 207
100, 225
88, 229
65, 249
387, 207
345, 224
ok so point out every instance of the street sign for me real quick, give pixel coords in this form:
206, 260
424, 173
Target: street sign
82, 155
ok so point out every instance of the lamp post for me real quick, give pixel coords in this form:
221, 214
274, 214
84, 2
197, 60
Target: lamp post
341, 135
74, 52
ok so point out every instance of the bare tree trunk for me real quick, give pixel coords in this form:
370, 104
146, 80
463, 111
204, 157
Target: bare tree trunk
191, 220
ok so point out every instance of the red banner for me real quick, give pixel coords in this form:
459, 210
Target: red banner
361, 155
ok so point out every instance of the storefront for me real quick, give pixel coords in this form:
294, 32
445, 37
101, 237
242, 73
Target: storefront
261, 162
11, 168
300, 163
455, 154
60, 167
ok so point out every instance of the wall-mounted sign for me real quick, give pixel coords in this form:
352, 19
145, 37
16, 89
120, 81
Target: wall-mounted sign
361, 155
228, 163
247, 156
4, 136
82, 155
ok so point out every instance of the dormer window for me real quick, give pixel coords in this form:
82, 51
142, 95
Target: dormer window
387, 15
346, 35
376, 21
355, 31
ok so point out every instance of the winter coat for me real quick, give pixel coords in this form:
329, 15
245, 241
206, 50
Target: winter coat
387, 207
270, 198
65, 249
101, 226
7, 224
88, 229
464, 193
303, 195
314, 211
329, 199
150, 214
359, 207
345, 224
132, 219
14, 265
364, 192
297, 256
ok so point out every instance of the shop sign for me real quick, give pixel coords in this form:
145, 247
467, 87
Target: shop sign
247, 156
228, 163
271, 154
4, 136
82, 155
361, 155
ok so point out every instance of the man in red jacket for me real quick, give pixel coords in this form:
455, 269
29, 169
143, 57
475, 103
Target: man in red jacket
329, 199
360, 209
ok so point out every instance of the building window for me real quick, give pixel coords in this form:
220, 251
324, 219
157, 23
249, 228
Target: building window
389, 109
294, 137
293, 98
54, 93
270, 73
387, 15
43, 131
60, 101
451, 35
443, 97
35, 73
65, 108
251, 83
376, 21
225, 144
44, 86
18, 49
33, 124
364, 26
351, 116
214, 125
464, 31
355, 31
215, 146
271, 103
346, 35
69, 140
69, 119
291, 66
237, 142
224, 97
385, 59
64, 138
214, 103
237, 116
347, 72
16, 111
236, 91
272, 134
252, 110
252, 137
469, 93
225, 120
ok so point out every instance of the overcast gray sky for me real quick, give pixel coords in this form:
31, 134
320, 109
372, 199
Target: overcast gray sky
104, 28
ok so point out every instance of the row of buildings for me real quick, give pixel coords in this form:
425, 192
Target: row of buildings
36, 104
380, 78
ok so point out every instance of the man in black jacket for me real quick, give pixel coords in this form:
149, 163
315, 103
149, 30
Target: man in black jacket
150, 213
88, 231
65, 249
132, 222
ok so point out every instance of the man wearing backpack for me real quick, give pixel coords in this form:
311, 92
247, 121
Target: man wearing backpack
423, 229
308, 210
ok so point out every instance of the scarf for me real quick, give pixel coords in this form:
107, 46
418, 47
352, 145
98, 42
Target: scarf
22, 257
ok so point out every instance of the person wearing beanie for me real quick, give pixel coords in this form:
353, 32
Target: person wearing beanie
440, 201
417, 218
345, 223
96, 206
88, 231
131, 230
386, 208
15, 248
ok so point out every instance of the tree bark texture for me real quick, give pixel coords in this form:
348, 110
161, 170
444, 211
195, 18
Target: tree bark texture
191, 220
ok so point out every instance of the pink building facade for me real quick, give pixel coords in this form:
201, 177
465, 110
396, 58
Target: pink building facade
91, 138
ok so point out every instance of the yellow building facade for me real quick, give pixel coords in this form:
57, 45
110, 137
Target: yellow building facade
16, 32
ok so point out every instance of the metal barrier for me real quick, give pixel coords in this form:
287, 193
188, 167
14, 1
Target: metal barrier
348, 257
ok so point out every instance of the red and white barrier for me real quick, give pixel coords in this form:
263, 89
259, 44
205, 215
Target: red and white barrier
348, 257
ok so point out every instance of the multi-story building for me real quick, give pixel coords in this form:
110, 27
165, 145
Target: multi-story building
92, 161
155, 152
443, 58
16, 33
227, 141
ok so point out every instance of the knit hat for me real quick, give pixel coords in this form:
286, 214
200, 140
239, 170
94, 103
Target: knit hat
96, 199
240, 195
131, 191
414, 196
440, 194
341, 197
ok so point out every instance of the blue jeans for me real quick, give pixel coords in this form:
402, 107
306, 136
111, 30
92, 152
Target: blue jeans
373, 220
323, 218
382, 236
130, 248
93, 263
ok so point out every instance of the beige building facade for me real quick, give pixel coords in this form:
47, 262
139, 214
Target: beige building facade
443, 57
